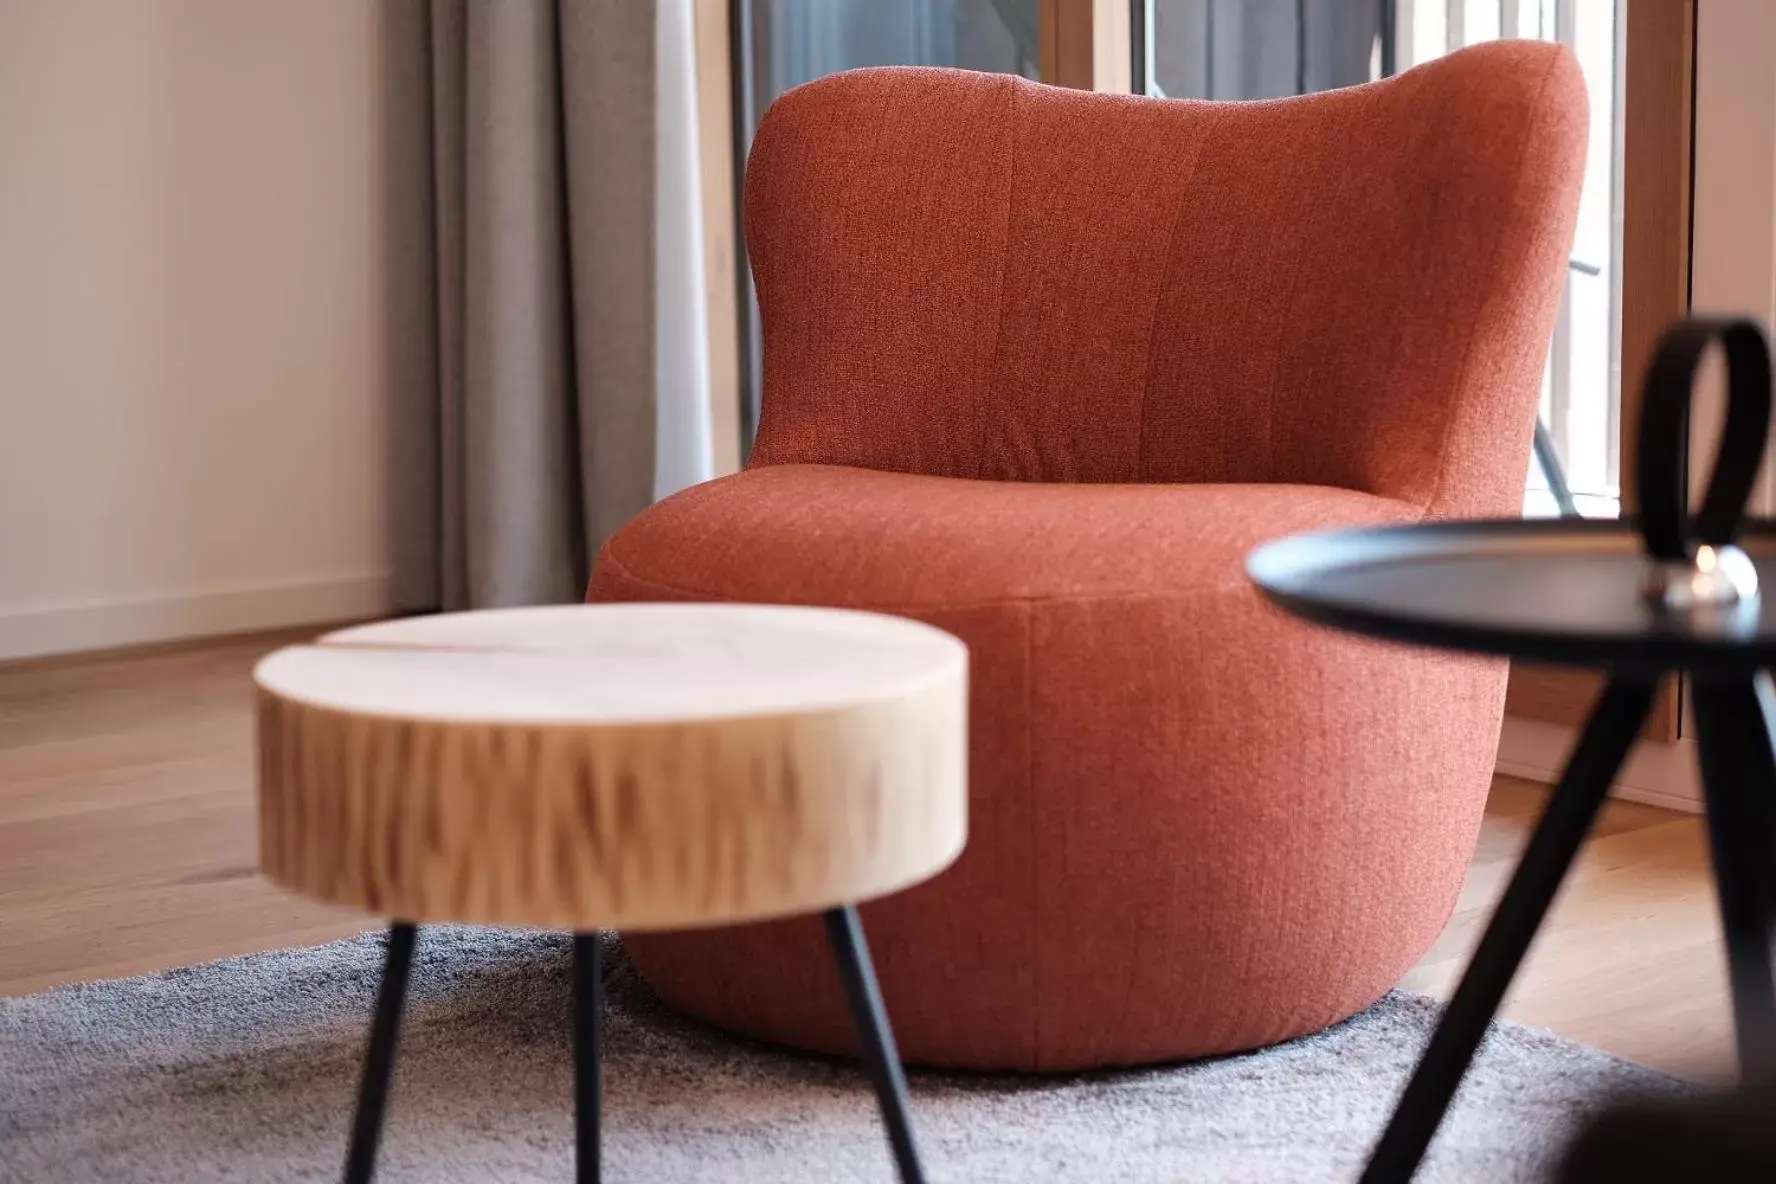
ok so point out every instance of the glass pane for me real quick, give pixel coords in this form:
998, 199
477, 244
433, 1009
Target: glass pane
1261, 49
796, 41
1257, 49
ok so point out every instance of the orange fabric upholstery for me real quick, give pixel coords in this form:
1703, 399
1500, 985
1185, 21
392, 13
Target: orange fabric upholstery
1040, 368
975, 276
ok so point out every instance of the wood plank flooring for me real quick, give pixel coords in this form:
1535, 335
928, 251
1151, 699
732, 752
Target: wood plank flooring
127, 845
1630, 959
127, 826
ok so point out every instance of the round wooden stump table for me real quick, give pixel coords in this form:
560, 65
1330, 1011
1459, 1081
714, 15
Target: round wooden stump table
645, 766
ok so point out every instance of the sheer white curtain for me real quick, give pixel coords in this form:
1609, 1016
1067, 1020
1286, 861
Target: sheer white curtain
683, 448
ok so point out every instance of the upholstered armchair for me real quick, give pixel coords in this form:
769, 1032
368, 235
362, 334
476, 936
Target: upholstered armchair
1040, 368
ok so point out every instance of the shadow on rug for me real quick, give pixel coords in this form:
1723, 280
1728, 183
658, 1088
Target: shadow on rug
246, 1071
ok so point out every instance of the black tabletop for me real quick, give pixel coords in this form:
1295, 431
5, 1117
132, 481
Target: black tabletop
1557, 591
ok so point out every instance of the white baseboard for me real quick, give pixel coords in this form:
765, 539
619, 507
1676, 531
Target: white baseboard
1657, 774
104, 624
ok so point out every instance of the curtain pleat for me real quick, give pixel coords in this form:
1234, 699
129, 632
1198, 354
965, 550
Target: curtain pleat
542, 407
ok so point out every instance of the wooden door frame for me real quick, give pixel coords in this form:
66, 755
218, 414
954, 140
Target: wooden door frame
1658, 167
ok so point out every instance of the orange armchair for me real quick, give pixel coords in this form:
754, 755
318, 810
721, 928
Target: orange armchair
1041, 367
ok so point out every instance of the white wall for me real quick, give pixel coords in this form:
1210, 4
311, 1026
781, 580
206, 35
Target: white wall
193, 398
1733, 229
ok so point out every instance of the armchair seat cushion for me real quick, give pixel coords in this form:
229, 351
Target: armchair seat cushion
906, 543
1196, 826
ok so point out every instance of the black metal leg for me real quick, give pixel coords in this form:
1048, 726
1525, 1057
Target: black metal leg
1608, 735
379, 1062
1548, 460
1735, 745
588, 1054
845, 930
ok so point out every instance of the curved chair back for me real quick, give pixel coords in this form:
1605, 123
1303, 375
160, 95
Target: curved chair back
974, 275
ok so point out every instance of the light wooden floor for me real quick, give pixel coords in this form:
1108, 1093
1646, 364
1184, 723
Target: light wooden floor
127, 845
1630, 959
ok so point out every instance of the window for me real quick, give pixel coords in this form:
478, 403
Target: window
1258, 49
795, 41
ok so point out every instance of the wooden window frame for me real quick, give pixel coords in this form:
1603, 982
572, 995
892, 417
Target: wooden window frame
1086, 44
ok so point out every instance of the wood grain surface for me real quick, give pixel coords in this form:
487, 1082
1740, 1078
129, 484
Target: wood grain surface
633, 766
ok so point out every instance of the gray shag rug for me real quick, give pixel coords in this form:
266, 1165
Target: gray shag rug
246, 1071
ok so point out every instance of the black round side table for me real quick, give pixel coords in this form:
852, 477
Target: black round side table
1640, 600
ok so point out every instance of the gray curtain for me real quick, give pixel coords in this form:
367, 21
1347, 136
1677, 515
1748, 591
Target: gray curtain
524, 430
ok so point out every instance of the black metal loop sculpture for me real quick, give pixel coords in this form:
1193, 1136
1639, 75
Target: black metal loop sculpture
1694, 562
1665, 414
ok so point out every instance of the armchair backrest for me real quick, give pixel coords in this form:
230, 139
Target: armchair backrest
974, 275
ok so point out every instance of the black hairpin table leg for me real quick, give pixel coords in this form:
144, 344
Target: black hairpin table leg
1608, 735
844, 929
588, 1055
379, 1063
1734, 743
